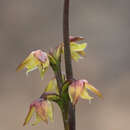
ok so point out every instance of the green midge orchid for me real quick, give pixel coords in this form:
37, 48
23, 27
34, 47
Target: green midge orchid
69, 91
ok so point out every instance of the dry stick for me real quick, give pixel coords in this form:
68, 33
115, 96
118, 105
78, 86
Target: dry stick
68, 64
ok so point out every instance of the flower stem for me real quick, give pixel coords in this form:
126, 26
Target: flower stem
68, 64
65, 118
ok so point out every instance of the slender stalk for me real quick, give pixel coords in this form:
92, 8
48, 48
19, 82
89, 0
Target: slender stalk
68, 64
72, 123
65, 118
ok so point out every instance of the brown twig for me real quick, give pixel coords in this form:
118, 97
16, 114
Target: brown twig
68, 64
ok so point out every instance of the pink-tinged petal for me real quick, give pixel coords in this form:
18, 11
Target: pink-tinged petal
41, 110
40, 55
93, 89
29, 115
75, 89
44, 61
75, 38
79, 89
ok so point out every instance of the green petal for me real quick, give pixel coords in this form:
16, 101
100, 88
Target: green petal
45, 64
93, 89
77, 47
30, 62
42, 71
71, 91
75, 56
50, 110
29, 116
82, 53
30, 70
85, 95
38, 119
58, 52
52, 86
52, 59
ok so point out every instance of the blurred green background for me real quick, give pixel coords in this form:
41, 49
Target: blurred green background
27, 25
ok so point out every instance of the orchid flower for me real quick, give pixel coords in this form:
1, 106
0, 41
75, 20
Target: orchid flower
79, 88
36, 59
43, 110
77, 49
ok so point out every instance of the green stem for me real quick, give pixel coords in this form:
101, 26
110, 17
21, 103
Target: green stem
65, 114
65, 120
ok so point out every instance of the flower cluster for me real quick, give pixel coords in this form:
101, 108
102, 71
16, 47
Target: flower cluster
69, 91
